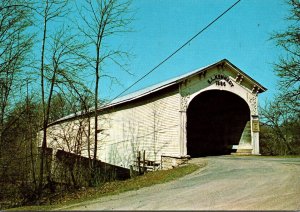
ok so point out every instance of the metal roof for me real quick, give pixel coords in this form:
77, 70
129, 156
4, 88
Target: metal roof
156, 87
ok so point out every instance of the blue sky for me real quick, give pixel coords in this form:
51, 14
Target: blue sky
241, 36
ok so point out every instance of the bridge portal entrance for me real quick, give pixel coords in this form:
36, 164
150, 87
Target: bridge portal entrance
215, 121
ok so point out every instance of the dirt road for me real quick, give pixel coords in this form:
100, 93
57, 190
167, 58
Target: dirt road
227, 183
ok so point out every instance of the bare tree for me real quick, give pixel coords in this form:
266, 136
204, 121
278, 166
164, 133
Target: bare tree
59, 72
275, 117
51, 9
15, 44
100, 21
281, 117
20, 142
288, 66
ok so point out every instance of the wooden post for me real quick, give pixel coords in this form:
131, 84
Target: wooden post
144, 155
139, 161
131, 171
153, 165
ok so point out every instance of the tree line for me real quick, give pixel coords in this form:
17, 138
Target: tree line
280, 117
50, 52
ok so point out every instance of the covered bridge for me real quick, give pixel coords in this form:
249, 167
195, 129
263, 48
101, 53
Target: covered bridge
209, 111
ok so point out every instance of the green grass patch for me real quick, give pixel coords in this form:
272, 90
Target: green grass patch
116, 187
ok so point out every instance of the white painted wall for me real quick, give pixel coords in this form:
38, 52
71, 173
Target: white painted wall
151, 125
155, 124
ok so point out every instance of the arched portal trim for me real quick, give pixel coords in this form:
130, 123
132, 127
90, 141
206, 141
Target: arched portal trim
216, 120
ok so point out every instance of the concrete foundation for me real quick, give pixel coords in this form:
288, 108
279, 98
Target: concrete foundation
170, 162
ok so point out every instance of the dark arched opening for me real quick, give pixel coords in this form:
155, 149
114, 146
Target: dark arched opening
215, 121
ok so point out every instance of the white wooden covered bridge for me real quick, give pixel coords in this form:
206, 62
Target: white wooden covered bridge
209, 111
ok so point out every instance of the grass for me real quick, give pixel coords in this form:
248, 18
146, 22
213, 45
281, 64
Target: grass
116, 187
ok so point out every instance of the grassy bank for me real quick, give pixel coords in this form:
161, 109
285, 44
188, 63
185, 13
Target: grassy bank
111, 188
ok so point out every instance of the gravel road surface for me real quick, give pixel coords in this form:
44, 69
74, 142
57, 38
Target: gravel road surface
226, 183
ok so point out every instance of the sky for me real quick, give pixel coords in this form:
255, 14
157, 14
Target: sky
242, 36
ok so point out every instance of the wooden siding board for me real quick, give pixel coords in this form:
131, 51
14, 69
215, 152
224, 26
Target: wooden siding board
151, 125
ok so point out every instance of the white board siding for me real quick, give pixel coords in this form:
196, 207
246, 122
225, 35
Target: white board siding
69, 136
151, 125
